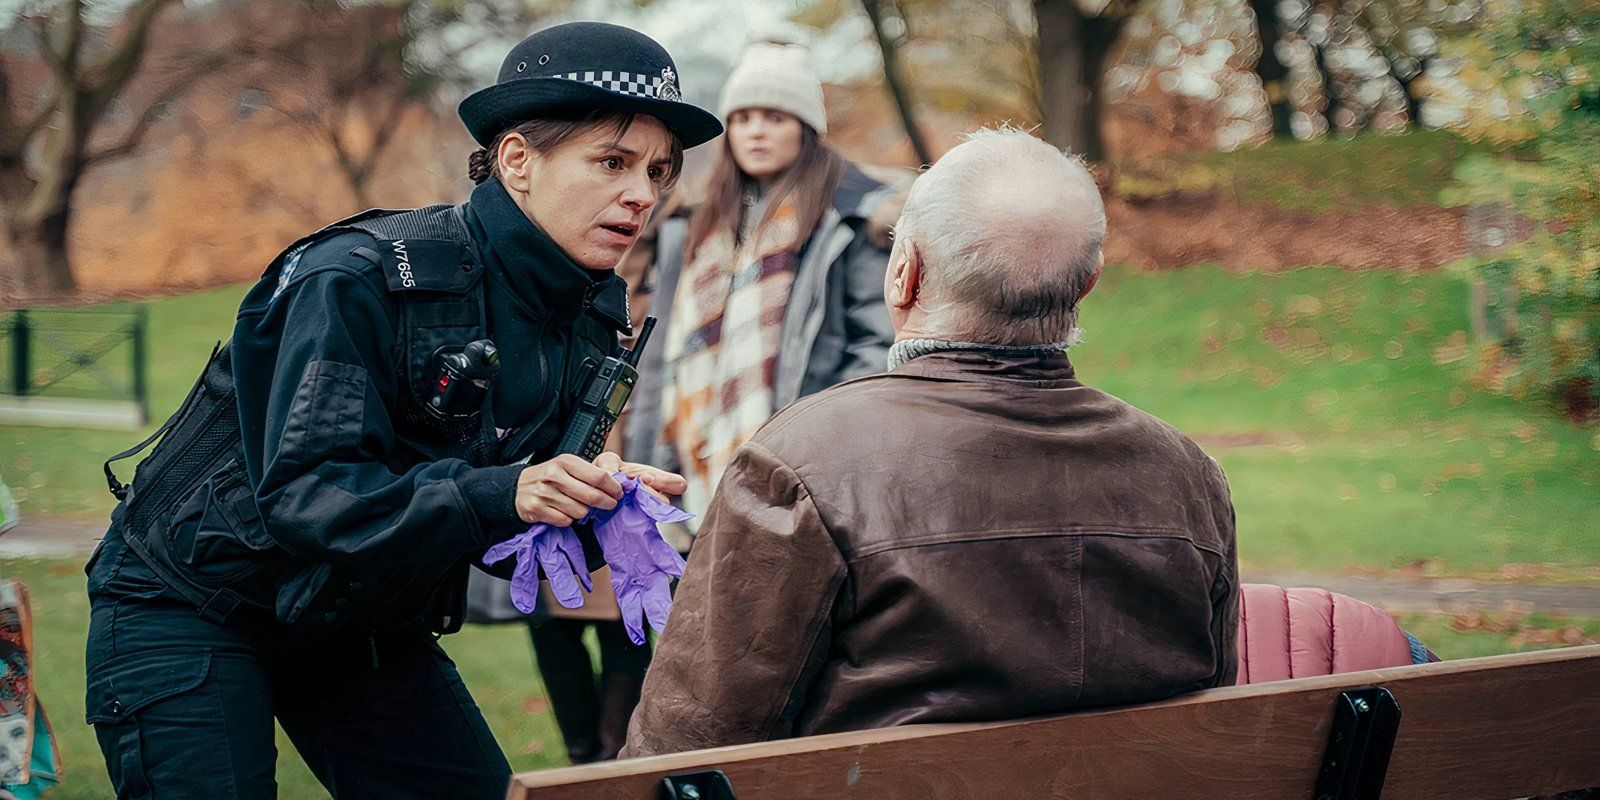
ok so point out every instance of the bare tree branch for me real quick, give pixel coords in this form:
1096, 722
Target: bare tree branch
356, 94
47, 48
899, 91
64, 61
383, 132
122, 62
39, 207
293, 202
341, 154
40, 117
134, 135
110, 74
11, 134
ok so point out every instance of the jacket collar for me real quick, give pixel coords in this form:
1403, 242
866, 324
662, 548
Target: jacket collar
541, 277
980, 362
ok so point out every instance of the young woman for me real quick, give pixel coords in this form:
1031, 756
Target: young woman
771, 289
387, 409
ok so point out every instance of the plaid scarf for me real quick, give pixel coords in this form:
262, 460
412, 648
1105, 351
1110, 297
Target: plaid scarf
722, 345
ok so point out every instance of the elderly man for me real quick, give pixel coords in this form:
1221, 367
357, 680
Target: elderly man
975, 535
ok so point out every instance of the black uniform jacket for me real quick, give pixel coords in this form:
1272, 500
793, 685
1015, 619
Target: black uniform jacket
340, 483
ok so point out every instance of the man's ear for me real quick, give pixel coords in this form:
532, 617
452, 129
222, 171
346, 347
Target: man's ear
905, 275
1099, 266
516, 163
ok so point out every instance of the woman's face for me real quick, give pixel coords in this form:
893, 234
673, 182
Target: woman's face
764, 141
592, 193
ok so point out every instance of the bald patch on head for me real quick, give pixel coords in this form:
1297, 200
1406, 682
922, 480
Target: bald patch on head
1015, 176
1010, 228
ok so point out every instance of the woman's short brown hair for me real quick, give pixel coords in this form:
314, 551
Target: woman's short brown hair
545, 134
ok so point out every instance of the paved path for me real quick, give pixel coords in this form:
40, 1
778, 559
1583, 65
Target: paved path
63, 538
1449, 595
44, 537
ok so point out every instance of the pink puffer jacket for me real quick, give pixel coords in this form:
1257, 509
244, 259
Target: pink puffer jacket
1297, 633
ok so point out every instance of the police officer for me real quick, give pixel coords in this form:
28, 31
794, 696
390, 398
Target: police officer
389, 406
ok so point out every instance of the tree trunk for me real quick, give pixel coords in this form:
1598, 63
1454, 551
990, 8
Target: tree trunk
37, 193
39, 229
1061, 80
1072, 51
35, 230
39, 248
1330, 89
1413, 104
894, 79
1102, 34
1270, 69
1413, 94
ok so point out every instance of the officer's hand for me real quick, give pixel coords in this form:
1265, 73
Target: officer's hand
563, 489
656, 480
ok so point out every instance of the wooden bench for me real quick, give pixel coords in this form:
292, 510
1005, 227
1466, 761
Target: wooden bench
1499, 727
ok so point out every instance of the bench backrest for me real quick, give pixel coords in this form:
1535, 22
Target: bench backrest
1498, 727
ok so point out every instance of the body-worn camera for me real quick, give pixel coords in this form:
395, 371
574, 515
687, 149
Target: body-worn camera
464, 378
610, 384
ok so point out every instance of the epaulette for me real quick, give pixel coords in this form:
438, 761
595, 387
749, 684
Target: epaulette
430, 265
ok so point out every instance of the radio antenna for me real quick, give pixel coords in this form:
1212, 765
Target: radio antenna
632, 356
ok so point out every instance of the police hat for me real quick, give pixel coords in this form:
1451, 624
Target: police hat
583, 66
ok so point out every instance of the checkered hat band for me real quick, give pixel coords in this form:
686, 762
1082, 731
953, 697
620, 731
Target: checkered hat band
634, 83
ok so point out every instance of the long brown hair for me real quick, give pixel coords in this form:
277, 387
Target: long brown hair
810, 181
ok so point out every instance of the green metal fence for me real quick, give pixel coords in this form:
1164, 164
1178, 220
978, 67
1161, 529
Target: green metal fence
91, 354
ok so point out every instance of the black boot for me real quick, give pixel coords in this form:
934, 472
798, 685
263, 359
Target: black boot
618, 697
623, 664
569, 682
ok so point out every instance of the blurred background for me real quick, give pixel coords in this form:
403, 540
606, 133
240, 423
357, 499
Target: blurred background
1353, 249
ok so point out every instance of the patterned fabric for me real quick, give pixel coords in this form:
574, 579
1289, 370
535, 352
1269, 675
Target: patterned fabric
722, 348
638, 84
1420, 654
28, 759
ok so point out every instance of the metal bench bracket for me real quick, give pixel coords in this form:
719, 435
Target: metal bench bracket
1356, 762
710, 784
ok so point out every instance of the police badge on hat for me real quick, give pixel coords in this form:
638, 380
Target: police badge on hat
669, 85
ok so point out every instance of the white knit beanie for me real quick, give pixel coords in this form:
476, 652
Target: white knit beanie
775, 76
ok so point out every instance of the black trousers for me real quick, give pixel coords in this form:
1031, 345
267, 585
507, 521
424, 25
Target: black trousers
183, 707
593, 717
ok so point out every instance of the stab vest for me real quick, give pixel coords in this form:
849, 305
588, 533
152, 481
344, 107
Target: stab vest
198, 465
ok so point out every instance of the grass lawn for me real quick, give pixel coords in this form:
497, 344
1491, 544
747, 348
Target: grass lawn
1341, 173
1340, 406
56, 471
1339, 403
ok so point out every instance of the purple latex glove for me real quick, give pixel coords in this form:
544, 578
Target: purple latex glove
642, 563
558, 551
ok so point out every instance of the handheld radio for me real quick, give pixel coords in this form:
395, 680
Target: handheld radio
602, 401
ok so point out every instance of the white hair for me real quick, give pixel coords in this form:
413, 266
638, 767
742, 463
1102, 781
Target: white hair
1009, 230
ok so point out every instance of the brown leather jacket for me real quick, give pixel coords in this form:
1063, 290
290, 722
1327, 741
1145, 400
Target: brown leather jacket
968, 537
